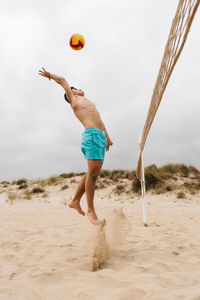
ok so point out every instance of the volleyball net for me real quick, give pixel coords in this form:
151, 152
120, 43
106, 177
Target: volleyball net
180, 27
177, 37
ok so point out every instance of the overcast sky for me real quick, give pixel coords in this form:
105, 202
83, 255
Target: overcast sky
117, 69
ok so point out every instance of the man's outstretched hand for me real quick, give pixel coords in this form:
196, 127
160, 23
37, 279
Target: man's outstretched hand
44, 73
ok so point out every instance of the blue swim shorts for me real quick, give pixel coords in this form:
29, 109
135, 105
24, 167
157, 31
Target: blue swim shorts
94, 144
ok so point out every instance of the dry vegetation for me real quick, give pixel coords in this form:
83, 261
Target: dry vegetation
171, 177
177, 178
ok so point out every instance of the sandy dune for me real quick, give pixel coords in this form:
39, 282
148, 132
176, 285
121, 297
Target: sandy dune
48, 251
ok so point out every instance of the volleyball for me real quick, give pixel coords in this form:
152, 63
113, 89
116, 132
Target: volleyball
77, 41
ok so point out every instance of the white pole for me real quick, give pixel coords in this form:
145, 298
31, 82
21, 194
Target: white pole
143, 190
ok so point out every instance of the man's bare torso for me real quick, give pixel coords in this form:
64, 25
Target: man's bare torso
86, 112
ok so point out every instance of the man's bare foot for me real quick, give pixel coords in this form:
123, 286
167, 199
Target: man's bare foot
76, 205
93, 217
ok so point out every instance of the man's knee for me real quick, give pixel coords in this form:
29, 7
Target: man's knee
93, 173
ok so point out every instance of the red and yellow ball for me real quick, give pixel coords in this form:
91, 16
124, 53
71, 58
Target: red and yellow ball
77, 41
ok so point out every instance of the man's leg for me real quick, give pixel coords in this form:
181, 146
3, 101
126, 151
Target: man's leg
94, 168
77, 197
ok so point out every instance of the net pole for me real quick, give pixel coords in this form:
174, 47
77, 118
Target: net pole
143, 191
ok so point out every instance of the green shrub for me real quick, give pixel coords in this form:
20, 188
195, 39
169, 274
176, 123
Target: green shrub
38, 190
136, 185
119, 189
64, 187
71, 175
21, 181
192, 191
53, 180
152, 177
22, 186
160, 189
192, 186
180, 195
152, 167
63, 175
197, 186
40, 182
184, 170
170, 168
130, 175
157, 178
104, 173
117, 174
112, 175
100, 185
175, 169
168, 188
5, 182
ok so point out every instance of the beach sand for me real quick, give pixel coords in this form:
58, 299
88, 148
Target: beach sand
48, 251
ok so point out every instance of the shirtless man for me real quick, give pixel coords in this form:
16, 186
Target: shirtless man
95, 141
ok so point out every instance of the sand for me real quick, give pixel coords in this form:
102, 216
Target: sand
48, 251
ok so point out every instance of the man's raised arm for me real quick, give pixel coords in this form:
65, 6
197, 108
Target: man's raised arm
60, 80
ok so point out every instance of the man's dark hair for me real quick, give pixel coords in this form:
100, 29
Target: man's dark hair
65, 96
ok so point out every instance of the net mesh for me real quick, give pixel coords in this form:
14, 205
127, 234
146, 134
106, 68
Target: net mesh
177, 37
